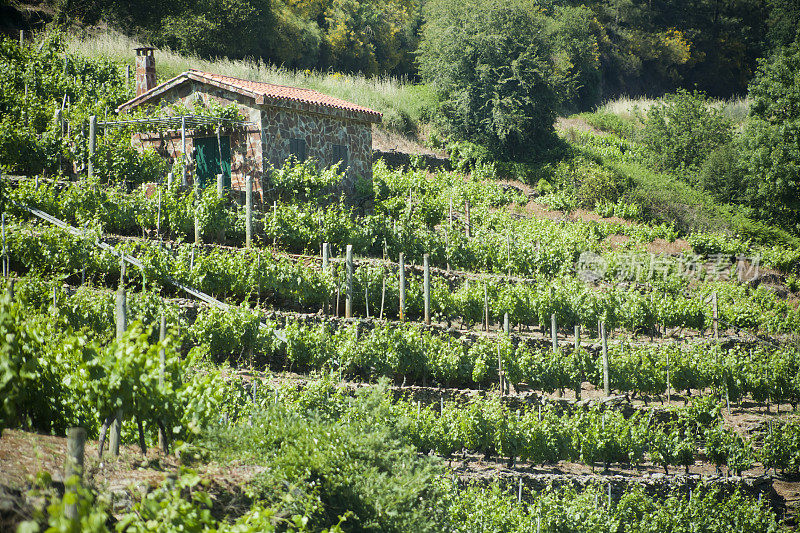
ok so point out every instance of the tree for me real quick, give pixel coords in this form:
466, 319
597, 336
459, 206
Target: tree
771, 139
683, 130
577, 37
492, 66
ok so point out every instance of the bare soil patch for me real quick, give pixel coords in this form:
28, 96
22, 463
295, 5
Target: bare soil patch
391, 141
564, 124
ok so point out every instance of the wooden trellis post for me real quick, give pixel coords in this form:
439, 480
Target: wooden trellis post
196, 207
162, 334
184, 178
92, 145
402, 268
606, 383
5, 250
248, 195
348, 301
486, 305
59, 126
275, 223
501, 377
554, 335
427, 288
73, 466
326, 251
579, 383
158, 216
468, 225
122, 325
383, 281
715, 314
669, 387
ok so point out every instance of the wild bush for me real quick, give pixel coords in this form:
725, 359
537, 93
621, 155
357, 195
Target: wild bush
680, 132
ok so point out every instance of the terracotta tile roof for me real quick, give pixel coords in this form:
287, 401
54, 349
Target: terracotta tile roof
264, 93
289, 93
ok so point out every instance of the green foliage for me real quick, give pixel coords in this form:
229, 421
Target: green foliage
323, 466
593, 183
620, 209
487, 509
91, 512
179, 506
683, 130
577, 35
781, 449
722, 175
19, 366
117, 161
715, 243
304, 35
609, 122
300, 182
491, 63
771, 140
37, 81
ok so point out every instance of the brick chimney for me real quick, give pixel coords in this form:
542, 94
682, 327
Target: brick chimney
145, 70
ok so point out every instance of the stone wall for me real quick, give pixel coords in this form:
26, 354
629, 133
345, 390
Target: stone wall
267, 142
320, 133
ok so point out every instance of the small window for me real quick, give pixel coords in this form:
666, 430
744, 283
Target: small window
297, 148
340, 154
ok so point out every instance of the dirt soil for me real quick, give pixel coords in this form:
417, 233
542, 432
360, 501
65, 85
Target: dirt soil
391, 141
24, 456
564, 124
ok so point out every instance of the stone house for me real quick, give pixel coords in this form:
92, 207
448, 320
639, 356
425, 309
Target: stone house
280, 122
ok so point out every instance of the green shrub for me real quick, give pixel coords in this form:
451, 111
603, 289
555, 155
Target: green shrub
591, 182
721, 174
714, 243
680, 132
610, 122
323, 466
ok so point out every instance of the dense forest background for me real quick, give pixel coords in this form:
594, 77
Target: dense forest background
632, 47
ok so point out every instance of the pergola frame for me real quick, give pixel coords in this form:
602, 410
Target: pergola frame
178, 121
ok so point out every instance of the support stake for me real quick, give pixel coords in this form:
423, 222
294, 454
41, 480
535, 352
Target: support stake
162, 334
326, 251
73, 466
348, 301
579, 383
249, 210
715, 314
427, 288
606, 384
92, 145
402, 268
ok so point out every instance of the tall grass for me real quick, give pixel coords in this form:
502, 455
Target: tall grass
735, 109
627, 108
404, 105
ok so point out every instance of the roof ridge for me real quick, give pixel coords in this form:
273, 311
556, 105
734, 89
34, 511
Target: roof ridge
261, 90
264, 82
